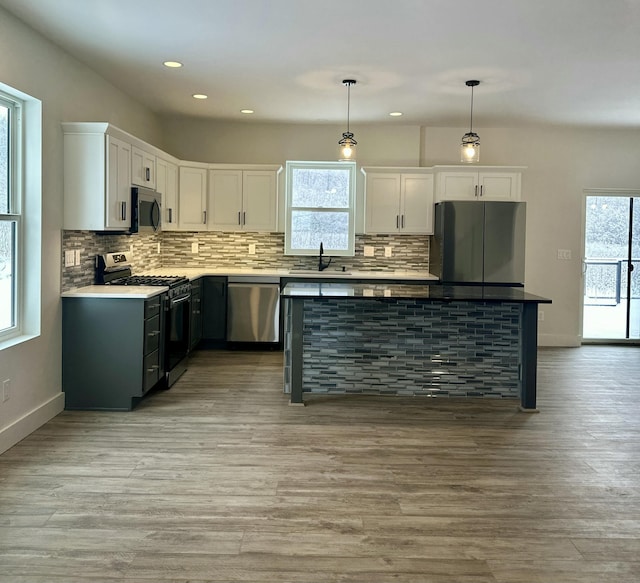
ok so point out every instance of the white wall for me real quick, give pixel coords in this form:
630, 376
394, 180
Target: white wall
561, 163
69, 92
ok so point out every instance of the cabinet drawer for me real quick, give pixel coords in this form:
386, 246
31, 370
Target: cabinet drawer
152, 334
151, 370
152, 307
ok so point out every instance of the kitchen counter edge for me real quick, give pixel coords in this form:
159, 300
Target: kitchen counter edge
257, 276
143, 292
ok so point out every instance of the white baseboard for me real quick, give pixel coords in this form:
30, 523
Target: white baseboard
567, 340
28, 423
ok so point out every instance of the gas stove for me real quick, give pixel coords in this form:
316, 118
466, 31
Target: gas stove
115, 269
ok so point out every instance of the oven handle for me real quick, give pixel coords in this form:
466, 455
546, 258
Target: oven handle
180, 300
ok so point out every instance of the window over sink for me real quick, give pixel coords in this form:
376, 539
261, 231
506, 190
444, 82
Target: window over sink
320, 208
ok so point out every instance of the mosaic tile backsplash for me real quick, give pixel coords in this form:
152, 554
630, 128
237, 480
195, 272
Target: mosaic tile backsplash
392, 348
219, 249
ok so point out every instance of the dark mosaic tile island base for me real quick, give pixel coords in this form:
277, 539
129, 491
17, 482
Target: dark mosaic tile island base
408, 347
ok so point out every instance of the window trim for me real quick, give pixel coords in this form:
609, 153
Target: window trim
26, 210
14, 204
350, 210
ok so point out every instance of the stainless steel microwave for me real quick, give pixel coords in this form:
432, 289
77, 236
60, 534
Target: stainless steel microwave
146, 215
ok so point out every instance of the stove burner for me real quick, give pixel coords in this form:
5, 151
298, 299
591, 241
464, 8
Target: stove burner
166, 280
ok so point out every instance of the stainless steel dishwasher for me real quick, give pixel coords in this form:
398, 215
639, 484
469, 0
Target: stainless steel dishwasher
253, 309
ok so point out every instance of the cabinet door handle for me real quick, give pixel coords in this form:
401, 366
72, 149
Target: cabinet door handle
476, 189
170, 215
244, 218
403, 221
123, 210
147, 174
481, 188
204, 217
239, 218
397, 221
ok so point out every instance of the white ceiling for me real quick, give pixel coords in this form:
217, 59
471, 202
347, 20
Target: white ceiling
539, 61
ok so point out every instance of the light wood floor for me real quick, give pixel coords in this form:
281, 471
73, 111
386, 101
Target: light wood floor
219, 479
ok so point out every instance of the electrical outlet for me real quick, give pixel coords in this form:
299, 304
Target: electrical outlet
540, 316
77, 257
388, 251
564, 254
6, 390
369, 251
69, 258
252, 248
194, 247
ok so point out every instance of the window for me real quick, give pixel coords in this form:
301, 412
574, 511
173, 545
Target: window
320, 208
10, 203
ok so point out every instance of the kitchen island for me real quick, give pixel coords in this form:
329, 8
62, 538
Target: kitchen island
403, 339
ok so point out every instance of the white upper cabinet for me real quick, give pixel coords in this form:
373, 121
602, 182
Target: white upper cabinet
193, 198
398, 202
225, 199
478, 183
167, 186
97, 178
243, 200
143, 168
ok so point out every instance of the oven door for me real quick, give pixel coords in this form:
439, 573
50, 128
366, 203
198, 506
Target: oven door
177, 337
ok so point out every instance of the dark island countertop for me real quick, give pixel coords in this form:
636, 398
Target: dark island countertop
426, 292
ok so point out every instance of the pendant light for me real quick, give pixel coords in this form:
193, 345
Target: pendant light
470, 146
347, 144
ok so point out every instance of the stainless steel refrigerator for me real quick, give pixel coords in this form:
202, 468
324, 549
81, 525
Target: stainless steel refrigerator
479, 242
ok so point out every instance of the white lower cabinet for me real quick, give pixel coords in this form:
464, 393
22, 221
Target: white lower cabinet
398, 202
167, 186
476, 184
97, 178
193, 198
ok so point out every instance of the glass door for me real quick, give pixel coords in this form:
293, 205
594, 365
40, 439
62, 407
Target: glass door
611, 304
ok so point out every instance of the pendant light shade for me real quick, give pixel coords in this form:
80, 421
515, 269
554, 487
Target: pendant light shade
347, 145
470, 146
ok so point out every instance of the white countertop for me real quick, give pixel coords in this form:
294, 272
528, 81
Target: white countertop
257, 274
143, 292
254, 275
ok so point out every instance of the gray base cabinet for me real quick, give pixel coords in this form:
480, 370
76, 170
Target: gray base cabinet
214, 308
195, 323
112, 351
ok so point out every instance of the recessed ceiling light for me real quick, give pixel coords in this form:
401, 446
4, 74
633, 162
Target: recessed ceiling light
200, 96
172, 64
395, 114
247, 111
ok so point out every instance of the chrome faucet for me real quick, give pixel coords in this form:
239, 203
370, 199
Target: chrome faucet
321, 265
